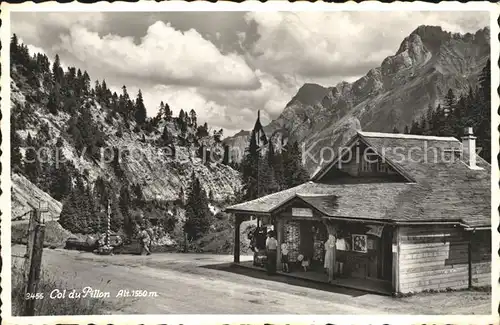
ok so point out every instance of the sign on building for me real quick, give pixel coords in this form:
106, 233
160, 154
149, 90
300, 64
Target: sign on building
302, 212
375, 230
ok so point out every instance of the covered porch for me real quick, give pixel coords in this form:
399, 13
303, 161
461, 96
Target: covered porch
365, 256
368, 285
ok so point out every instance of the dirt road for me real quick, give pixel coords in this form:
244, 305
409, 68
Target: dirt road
206, 284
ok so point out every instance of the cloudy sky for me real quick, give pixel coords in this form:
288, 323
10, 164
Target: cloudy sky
226, 65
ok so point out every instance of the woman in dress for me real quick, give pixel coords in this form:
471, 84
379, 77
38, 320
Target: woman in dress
330, 257
271, 249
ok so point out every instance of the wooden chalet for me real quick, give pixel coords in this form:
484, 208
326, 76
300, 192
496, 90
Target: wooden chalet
411, 212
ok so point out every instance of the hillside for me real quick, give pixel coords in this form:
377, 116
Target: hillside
161, 177
427, 64
88, 137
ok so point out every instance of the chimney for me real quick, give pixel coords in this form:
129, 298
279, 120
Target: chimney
469, 147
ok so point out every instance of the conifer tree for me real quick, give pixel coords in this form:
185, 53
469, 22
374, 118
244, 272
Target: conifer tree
483, 128
166, 136
279, 172
202, 131
485, 82
52, 104
168, 113
192, 115
181, 117
295, 171
68, 218
122, 102
270, 153
266, 182
140, 109
14, 46
116, 217
60, 182
124, 206
15, 152
138, 195
249, 167
161, 112
182, 121
56, 70
32, 167
86, 83
226, 159
198, 215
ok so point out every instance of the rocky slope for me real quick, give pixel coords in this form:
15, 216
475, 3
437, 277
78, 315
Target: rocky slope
160, 176
26, 196
428, 63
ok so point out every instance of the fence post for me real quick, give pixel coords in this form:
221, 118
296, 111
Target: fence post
33, 221
35, 262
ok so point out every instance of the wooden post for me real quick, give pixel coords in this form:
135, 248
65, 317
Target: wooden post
395, 260
237, 223
469, 258
35, 217
279, 238
34, 269
108, 224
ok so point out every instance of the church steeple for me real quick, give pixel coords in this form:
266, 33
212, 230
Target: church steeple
258, 131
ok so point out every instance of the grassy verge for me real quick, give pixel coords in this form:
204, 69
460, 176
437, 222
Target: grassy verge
47, 306
485, 289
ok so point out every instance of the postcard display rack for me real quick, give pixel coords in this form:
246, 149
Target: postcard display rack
292, 238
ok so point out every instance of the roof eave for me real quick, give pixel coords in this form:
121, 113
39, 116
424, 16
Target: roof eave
249, 212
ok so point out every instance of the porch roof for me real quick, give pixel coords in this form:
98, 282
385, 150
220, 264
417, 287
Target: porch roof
356, 201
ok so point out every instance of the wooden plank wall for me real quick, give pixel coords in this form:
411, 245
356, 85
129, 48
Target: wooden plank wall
481, 258
436, 257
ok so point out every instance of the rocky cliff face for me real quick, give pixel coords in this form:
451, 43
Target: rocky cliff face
428, 63
160, 176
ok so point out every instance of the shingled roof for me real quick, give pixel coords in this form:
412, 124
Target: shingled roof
440, 187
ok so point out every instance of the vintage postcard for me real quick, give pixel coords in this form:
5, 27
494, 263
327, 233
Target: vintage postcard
250, 163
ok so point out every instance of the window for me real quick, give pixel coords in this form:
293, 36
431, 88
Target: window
371, 163
383, 167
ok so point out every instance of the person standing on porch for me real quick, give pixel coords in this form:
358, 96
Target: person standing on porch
284, 257
271, 249
330, 257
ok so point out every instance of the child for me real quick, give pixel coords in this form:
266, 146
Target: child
284, 257
304, 262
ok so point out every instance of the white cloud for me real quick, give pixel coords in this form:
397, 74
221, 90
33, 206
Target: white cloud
164, 56
323, 44
35, 26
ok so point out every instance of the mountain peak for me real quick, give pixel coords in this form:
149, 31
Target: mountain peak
309, 94
434, 36
424, 30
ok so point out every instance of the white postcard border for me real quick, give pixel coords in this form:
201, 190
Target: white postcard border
5, 202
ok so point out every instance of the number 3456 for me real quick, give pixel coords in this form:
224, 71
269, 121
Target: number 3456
35, 296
